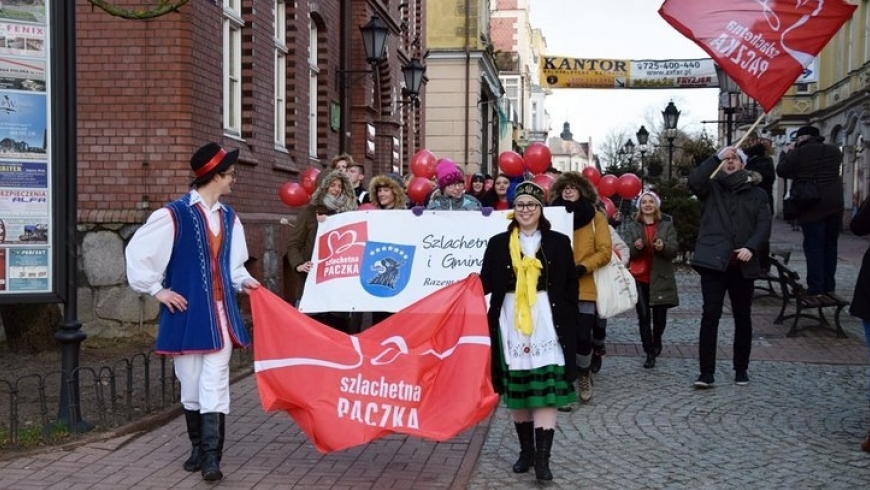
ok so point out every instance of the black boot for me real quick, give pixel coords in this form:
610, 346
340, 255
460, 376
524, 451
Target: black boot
543, 444
211, 469
222, 430
526, 434
194, 427
658, 331
650, 360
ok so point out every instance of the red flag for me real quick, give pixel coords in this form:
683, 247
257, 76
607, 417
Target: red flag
764, 45
424, 371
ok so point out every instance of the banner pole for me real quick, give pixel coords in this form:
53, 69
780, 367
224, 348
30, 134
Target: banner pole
740, 142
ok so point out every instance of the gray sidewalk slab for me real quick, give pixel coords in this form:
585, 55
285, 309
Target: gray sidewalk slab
797, 425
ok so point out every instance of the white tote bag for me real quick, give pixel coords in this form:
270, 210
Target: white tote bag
615, 287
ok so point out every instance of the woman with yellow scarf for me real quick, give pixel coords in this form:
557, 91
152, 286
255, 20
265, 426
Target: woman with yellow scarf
529, 270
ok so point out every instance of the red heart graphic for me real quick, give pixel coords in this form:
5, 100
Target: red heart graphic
338, 242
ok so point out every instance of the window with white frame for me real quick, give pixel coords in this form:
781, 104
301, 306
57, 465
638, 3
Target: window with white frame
280, 15
232, 29
313, 71
512, 93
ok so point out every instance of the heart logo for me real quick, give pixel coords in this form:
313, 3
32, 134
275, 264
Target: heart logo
339, 242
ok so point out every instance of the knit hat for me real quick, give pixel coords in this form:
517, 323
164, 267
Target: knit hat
655, 196
447, 173
530, 189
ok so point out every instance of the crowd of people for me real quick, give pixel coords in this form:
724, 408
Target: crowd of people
547, 338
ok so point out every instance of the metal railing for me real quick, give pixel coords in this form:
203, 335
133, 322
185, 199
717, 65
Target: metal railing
111, 395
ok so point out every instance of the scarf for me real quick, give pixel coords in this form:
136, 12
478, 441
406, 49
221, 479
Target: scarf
527, 269
338, 204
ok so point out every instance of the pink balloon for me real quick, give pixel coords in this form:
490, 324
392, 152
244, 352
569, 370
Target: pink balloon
609, 207
537, 157
293, 195
607, 185
629, 186
423, 164
592, 175
419, 188
511, 163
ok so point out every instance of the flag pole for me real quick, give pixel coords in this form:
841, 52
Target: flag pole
740, 142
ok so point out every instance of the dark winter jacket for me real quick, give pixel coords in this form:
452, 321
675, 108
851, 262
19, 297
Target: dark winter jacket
860, 226
734, 215
301, 244
497, 275
813, 160
662, 281
763, 165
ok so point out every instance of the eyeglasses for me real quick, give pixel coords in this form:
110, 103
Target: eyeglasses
526, 206
456, 184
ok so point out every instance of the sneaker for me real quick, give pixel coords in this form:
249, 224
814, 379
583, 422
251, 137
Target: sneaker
704, 381
595, 364
741, 378
566, 408
584, 383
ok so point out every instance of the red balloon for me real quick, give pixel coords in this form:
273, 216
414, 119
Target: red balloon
628, 186
419, 188
544, 181
423, 164
511, 163
366, 205
592, 175
308, 179
293, 195
607, 185
609, 207
537, 157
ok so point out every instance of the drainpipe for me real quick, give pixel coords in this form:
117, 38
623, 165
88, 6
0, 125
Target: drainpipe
344, 67
467, 79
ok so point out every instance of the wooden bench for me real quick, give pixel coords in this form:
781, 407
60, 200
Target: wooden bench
792, 291
768, 283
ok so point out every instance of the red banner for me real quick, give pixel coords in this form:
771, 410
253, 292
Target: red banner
763, 45
424, 371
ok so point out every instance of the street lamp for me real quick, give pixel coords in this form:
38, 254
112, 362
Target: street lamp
729, 93
413, 71
374, 35
642, 140
629, 150
671, 116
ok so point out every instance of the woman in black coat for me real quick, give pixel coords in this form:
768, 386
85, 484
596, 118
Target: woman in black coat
860, 307
529, 270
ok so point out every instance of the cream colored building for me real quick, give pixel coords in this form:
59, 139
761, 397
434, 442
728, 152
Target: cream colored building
838, 103
463, 90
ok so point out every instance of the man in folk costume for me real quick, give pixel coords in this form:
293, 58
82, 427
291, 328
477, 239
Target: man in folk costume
190, 256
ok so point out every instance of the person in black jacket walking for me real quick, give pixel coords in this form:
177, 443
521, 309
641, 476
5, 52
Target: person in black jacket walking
812, 160
735, 223
860, 306
529, 270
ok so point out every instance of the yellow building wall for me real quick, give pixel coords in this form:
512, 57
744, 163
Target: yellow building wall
445, 24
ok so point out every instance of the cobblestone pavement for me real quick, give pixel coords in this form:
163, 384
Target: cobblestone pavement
797, 425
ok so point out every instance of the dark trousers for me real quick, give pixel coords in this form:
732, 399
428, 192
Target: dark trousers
585, 324
714, 284
599, 334
820, 250
649, 338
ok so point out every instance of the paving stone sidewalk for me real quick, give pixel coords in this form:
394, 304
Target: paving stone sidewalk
797, 425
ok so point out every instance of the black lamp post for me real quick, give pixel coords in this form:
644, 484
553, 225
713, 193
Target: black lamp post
642, 140
414, 72
729, 93
374, 35
671, 116
629, 150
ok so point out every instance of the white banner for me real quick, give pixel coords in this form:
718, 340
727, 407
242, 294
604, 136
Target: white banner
386, 260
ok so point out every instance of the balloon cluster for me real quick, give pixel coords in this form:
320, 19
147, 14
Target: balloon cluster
298, 194
535, 161
626, 186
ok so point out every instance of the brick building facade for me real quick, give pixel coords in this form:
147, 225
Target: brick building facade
150, 92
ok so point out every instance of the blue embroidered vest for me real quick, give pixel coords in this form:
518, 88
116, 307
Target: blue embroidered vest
189, 273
